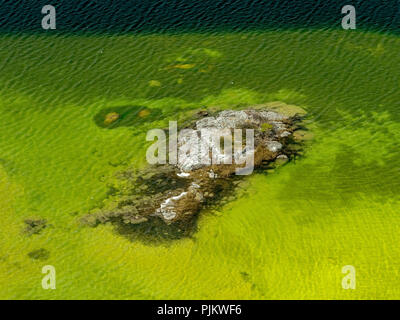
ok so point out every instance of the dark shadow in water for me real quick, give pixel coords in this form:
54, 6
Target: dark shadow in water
8, 166
155, 231
126, 116
342, 187
39, 254
366, 178
121, 16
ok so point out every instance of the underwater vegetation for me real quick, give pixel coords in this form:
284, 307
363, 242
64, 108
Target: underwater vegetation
125, 116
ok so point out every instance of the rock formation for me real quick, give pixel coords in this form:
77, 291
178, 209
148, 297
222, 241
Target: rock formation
175, 193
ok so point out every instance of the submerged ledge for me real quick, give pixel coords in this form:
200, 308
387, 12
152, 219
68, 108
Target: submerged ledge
168, 197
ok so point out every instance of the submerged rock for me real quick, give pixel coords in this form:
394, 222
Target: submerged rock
175, 193
110, 118
39, 254
34, 226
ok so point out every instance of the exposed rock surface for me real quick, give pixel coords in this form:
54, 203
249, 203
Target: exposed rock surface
176, 193
34, 226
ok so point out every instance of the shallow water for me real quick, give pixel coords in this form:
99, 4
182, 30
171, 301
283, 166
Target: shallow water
289, 232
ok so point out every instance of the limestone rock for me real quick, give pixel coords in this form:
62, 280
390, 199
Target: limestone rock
176, 193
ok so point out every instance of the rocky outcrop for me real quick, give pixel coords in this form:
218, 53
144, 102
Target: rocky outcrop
34, 226
175, 193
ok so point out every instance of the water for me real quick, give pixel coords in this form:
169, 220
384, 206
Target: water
288, 234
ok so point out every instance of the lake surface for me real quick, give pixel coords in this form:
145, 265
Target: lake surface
287, 234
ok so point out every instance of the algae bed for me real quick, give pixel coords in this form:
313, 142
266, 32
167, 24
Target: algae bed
287, 233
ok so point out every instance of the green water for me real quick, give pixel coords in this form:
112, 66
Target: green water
288, 234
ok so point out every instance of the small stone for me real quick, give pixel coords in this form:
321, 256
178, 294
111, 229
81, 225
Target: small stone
212, 175
111, 117
285, 134
183, 174
281, 159
199, 196
143, 113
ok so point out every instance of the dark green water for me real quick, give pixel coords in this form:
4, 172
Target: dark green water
200, 16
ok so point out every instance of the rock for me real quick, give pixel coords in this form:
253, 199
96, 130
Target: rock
194, 146
273, 146
281, 159
111, 117
143, 113
34, 226
199, 197
285, 134
167, 209
183, 174
212, 175
202, 113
